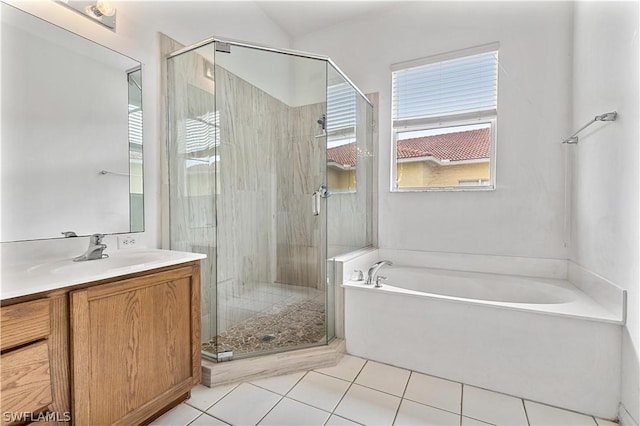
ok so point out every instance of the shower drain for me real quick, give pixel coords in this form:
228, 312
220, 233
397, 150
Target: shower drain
267, 338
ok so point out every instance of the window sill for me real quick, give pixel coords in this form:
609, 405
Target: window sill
447, 189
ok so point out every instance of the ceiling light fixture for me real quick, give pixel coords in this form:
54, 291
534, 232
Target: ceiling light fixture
102, 8
101, 11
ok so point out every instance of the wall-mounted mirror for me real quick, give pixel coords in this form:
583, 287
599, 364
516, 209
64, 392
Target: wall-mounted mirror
71, 139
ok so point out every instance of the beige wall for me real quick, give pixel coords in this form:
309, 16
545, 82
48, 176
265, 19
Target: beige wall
135, 179
340, 180
430, 174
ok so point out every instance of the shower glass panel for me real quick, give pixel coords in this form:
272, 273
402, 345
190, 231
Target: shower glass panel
193, 184
247, 151
349, 166
254, 135
271, 247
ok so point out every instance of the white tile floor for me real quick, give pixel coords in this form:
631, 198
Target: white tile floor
357, 391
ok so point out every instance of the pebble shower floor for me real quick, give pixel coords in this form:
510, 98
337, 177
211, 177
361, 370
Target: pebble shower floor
294, 317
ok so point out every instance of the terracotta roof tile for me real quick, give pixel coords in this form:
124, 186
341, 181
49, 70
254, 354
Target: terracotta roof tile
457, 146
345, 155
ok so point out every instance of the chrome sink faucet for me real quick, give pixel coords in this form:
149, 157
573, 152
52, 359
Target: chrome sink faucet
95, 249
372, 273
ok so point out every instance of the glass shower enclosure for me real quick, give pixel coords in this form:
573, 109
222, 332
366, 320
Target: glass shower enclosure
261, 144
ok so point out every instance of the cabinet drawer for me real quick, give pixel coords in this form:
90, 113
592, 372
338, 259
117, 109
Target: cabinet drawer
25, 379
24, 322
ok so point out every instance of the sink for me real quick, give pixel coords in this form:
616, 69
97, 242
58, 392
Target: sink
119, 260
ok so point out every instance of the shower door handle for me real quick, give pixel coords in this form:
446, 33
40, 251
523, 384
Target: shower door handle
315, 199
315, 203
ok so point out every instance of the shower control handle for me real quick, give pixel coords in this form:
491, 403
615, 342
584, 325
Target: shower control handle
315, 203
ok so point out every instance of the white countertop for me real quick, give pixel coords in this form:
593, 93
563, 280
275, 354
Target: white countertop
25, 279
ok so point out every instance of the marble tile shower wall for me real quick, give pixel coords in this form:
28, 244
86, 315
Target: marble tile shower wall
301, 164
250, 122
270, 162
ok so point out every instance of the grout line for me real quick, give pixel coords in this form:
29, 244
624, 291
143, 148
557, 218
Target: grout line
461, 400
426, 405
558, 408
287, 392
347, 391
404, 391
397, 396
218, 400
333, 377
207, 414
360, 371
191, 422
302, 402
406, 385
270, 410
296, 383
526, 415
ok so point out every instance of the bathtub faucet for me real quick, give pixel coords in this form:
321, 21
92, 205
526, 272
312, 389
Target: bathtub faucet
373, 271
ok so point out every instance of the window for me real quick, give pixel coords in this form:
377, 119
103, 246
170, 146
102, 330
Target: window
444, 111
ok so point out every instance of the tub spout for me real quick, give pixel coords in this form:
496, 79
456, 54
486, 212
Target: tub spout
373, 271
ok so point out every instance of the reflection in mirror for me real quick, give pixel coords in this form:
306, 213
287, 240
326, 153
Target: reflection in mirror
71, 141
349, 135
341, 135
136, 193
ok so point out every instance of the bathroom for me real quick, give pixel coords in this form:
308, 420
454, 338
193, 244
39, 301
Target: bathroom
569, 208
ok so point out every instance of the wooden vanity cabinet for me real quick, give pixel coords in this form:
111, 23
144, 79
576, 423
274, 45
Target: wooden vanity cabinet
135, 346
34, 365
116, 351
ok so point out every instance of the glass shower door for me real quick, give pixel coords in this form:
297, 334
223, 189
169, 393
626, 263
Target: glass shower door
271, 217
192, 153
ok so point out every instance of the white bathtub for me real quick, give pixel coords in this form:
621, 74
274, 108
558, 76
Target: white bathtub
541, 339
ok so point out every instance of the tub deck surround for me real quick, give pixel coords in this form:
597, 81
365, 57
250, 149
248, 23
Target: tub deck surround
31, 278
599, 288
539, 295
537, 338
492, 264
552, 286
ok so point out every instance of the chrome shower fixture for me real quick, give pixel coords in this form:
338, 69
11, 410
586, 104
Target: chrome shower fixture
322, 121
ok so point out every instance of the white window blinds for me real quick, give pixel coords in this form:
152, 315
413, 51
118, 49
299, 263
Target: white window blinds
135, 125
453, 86
341, 107
201, 133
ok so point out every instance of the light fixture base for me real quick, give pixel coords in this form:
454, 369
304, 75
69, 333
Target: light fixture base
90, 10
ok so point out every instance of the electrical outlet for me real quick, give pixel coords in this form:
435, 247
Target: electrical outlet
127, 242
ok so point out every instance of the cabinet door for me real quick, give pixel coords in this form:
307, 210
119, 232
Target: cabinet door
135, 346
26, 383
